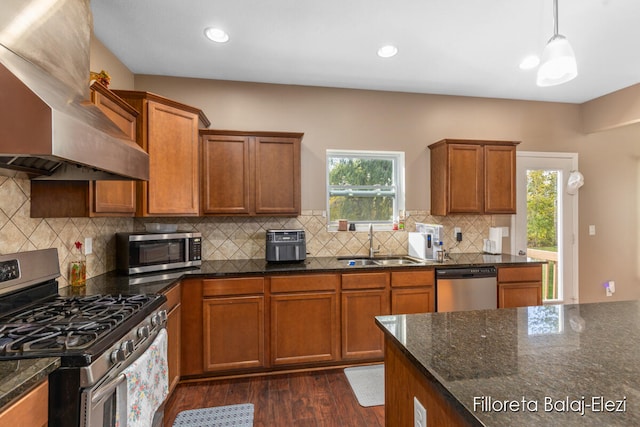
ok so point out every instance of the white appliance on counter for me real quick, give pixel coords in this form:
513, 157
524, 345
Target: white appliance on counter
493, 245
424, 242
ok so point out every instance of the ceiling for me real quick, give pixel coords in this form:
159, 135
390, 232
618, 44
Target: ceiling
461, 47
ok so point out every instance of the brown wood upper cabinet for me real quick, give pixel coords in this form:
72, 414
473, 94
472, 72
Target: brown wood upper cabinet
473, 177
54, 199
250, 173
168, 131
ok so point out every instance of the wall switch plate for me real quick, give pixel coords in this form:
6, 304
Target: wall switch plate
88, 245
505, 231
419, 414
592, 230
456, 230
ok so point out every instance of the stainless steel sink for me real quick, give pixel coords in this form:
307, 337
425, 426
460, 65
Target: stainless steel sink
395, 261
359, 261
382, 261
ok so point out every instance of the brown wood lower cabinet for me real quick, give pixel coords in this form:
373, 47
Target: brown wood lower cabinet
519, 286
304, 324
413, 292
236, 325
364, 296
233, 333
233, 324
30, 410
173, 335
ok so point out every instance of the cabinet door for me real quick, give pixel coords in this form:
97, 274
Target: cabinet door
361, 338
466, 178
413, 300
233, 333
277, 180
118, 197
500, 179
173, 185
173, 335
225, 174
519, 294
304, 328
114, 197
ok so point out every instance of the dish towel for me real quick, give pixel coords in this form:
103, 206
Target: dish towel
146, 386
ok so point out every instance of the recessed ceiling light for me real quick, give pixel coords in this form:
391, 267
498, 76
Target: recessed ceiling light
530, 62
216, 34
387, 51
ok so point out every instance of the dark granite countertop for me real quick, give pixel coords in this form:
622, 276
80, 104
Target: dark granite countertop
559, 363
115, 283
19, 376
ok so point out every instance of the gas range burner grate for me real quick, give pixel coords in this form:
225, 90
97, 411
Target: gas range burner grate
66, 324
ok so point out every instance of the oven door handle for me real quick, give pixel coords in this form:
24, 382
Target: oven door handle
106, 389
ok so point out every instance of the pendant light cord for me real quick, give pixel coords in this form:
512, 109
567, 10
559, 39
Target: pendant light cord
555, 17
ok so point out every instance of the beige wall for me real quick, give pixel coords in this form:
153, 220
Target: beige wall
356, 119
339, 118
101, 58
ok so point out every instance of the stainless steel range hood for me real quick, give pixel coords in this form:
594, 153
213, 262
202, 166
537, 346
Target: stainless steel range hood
48, 127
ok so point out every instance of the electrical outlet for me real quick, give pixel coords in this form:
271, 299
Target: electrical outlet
419, 414
88, 245
592, 230
456, 231
610, 288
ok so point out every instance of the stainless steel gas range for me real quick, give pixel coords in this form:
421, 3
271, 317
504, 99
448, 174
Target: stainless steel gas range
98, 338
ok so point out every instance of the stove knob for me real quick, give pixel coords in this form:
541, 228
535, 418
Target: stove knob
118, 356
143, 332
127, 347
163, 315
154, 320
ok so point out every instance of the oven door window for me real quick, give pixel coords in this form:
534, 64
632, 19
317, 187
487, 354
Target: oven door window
156, 252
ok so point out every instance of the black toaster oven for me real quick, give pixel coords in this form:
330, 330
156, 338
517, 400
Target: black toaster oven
285, 245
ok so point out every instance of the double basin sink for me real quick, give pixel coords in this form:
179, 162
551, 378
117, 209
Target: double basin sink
384, 261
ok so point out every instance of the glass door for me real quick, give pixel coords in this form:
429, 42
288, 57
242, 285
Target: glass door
545, 227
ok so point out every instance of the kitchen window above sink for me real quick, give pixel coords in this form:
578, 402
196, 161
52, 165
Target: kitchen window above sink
365, 187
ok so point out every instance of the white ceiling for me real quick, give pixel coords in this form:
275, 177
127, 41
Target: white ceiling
452, 47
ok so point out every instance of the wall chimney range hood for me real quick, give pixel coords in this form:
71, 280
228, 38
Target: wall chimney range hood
48, 127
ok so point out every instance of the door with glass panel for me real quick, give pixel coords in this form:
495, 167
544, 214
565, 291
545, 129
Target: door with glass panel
545, 226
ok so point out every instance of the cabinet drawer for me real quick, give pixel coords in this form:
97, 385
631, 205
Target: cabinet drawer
520, 274
173, 297
365, 280
320, 282
236, 286
407, 279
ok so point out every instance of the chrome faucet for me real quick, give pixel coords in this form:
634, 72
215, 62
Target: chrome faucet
372, 251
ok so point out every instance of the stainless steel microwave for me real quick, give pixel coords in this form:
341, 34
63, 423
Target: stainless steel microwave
143, 252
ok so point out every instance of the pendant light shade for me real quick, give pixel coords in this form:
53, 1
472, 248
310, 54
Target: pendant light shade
558, 63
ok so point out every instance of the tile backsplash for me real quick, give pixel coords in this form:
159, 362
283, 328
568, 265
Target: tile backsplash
223, 237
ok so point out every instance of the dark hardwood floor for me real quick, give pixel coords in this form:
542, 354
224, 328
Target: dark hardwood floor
318, 398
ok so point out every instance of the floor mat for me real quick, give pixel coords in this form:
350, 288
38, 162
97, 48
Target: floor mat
367, 383
222, 416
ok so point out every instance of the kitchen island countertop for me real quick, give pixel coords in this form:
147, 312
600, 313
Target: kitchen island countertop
555, 365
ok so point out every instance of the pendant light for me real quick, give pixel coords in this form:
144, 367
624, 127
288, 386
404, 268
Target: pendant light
558, 63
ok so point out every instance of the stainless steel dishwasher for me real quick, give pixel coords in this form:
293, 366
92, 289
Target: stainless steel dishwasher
472, 288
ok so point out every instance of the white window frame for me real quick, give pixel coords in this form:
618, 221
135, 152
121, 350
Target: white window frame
397, 157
